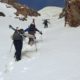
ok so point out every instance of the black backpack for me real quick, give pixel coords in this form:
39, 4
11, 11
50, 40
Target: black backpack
32, 29
18, 35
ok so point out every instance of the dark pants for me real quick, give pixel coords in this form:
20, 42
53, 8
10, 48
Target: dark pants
18, 47
45, 25
31, 40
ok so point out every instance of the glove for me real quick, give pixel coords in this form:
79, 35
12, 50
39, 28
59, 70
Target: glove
41, 33
10, 26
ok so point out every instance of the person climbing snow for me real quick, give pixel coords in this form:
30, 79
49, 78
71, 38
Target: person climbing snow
17, 41
46, 23
32, 31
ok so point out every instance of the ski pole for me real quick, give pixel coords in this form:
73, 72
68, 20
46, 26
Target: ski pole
11, 48
41, 38
7, 64
35, 44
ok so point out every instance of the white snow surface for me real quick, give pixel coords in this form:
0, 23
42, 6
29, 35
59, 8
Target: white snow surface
58, 54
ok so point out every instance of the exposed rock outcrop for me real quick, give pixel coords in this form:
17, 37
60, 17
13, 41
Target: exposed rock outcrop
21, 9
71, 12
2, 14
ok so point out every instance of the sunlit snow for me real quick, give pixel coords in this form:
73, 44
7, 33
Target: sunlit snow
58, 49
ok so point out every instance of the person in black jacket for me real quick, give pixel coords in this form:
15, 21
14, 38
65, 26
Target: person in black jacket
18, 42
32, 30
45, 23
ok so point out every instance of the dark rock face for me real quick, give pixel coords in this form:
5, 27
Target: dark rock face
2, 14
21, 9
9, 1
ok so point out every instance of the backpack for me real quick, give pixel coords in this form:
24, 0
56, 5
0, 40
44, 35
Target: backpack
32, 29
18, 35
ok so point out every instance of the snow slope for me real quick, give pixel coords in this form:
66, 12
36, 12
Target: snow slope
58, 54
50, 11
